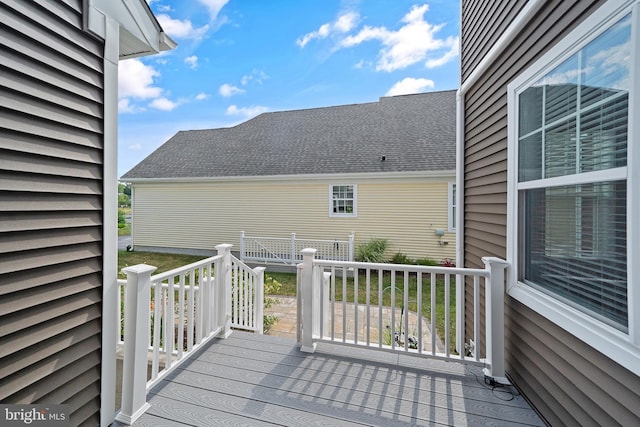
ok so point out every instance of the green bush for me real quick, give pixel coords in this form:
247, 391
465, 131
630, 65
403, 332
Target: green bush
427, 262
373, 250
121, 219
271, 287
400, 258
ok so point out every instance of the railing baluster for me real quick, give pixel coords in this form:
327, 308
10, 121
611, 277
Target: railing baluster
380, 289
476, 316
393, 309
447, 313
170, 315
368, 296
355, 305
405, 305
191, 309
181, 319
333, 303
434, 284
419, 313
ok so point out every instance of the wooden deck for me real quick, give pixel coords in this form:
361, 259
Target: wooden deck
251, 379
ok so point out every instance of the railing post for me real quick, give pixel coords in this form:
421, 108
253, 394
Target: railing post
223, 289
136, 342
242, 246
494, 312
259, 302
308, 255
292, 252
352, 244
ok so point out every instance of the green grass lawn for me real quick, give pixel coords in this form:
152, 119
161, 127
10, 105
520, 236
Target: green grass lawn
288, 282
166, 262
125, 231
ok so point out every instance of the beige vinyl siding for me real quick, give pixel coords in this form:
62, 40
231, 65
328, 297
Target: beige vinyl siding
201, 215
568, 381
51, 95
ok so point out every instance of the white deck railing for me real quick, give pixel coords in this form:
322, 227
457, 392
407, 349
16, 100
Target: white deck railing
170, 315
395, 314
287, 250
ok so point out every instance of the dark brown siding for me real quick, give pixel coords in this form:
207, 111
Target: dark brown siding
51, 95
568, 381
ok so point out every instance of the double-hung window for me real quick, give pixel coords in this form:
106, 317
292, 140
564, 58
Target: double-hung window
571, 199
342, 200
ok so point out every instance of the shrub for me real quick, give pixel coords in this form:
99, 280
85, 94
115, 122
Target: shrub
400, 258
447, 262
427, 262
373, 250
271, 287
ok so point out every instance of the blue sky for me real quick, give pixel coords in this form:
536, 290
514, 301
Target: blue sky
238, 58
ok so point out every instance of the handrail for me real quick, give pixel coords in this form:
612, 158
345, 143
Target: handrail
334, 310
171, 314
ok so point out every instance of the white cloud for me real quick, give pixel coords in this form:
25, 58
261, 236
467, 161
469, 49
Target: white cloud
192, 61
453, 52
163, 103
181, 29
343, 24
228, 90
135, 147
258, 76
214, 7
135, 80
410, 85
125, 106
202, 96
247, 112
411, 43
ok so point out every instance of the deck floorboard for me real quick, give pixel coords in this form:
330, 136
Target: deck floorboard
251, 379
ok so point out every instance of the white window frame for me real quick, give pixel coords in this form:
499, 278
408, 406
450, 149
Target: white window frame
354, 214
452, 207
622, 347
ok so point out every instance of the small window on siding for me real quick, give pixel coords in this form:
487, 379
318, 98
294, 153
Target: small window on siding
342, 201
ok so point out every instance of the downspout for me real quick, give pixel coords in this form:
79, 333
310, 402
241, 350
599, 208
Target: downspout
528, 11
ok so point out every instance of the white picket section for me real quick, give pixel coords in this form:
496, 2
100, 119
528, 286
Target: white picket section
281, 250
370, 320
172, 314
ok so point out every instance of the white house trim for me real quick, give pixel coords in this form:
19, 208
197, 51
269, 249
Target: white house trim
344, 177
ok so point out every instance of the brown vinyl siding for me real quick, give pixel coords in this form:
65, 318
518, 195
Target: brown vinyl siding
568, 381
483, 23
51, 180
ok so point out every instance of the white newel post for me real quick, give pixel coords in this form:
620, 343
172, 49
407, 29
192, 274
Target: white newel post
136, 343
292, 249
494, 308
308, 255
223, 289
242, 246
259, 302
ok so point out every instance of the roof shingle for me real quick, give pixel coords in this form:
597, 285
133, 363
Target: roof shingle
413, 132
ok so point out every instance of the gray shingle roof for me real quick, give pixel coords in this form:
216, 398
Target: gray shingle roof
413, 132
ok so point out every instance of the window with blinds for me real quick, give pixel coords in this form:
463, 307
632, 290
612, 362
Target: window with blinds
572, 178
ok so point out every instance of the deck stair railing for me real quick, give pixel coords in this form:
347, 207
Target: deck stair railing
286, 250
398, 309
168, 316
